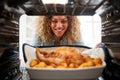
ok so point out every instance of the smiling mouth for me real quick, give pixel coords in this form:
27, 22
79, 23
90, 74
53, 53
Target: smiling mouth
59, 30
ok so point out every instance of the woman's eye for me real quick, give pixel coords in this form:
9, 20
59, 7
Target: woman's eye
54, 21
64, 21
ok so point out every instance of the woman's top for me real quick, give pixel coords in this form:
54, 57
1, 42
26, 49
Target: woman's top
37, 42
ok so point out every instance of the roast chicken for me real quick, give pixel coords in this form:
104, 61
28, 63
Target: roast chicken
60, 55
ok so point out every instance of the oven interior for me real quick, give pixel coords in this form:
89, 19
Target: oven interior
11, 10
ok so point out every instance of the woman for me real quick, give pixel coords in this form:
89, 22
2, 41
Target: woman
56, 30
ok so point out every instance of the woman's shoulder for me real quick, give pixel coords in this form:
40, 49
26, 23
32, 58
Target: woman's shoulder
36, 41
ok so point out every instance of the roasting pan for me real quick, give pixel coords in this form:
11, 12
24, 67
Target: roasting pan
90, 73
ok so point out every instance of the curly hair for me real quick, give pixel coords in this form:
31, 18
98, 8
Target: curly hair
44, 32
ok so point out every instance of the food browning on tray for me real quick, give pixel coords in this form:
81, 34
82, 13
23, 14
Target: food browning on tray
63, 57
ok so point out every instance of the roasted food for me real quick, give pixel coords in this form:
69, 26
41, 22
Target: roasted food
34, 62
60, 55
63, 57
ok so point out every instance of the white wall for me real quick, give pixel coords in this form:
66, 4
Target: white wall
91, 29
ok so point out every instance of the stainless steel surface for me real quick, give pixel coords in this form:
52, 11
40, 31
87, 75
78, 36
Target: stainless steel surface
114, 52
73, 7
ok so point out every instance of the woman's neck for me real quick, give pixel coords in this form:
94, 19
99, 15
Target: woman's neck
57, 40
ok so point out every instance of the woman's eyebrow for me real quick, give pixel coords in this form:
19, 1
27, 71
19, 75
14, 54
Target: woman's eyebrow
53, 19
65, 19
61, 19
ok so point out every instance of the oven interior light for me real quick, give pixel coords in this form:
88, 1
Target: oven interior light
55, 1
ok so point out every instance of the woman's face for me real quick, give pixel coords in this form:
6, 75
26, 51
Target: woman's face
59, 25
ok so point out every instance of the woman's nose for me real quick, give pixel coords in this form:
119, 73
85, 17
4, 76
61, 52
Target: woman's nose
59, 24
